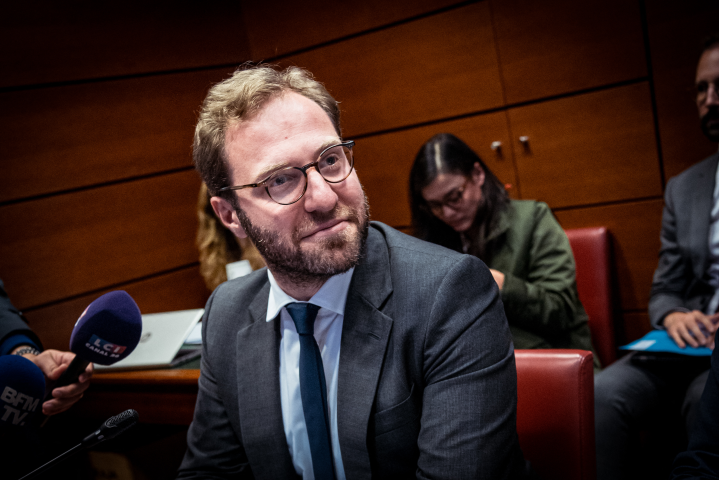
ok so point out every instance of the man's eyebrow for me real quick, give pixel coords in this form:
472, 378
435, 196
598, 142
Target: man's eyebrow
266, 172
269, 170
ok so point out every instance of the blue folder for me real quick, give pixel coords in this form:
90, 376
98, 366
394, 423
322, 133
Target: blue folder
660, 341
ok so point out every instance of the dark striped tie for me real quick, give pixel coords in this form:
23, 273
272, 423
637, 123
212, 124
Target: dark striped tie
313, 389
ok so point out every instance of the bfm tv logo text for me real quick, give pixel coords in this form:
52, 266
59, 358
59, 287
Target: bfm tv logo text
12, 397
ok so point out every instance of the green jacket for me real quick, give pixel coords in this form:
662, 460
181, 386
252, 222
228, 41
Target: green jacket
540, 291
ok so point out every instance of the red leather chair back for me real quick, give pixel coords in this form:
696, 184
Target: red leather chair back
555, 412
591, 255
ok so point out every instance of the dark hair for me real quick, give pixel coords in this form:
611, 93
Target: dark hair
445, 153
710, 42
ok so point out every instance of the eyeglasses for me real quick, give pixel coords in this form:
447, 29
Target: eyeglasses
452, 200
701, 90
287, 185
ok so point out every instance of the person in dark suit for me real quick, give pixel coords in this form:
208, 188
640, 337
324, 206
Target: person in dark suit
412, 366
701, 460
631, 393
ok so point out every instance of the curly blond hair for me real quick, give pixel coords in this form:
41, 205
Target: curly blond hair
218, 246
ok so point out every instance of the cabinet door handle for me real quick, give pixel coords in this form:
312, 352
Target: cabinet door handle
524, 140
496, 146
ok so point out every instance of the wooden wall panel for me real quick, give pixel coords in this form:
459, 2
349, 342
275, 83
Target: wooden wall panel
676, 31
635, 228
67, 137
178, 290
298, 25
48, 41
67, 245
436, 67
591, 148
558, 46
383, 161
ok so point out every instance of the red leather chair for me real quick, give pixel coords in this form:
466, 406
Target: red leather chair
592, 258
555, 412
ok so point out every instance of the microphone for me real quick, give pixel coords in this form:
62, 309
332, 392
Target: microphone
22, 386
112, 427
107, 331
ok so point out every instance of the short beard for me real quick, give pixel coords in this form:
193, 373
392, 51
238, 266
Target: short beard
286, 258
712, 114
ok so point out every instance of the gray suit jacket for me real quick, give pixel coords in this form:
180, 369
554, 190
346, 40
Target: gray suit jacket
427, 380
679, 281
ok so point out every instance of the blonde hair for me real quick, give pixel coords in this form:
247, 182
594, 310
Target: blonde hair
237, 99
218, 246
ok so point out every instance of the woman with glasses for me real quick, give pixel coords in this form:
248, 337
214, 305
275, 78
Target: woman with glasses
457, 202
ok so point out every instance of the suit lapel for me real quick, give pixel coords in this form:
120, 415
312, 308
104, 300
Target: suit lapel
365, 335
258, 391
700, 220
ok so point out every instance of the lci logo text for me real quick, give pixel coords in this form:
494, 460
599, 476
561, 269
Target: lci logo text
24, 404
103, 347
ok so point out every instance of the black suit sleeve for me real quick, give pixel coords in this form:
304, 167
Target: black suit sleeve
11, 322
469, 411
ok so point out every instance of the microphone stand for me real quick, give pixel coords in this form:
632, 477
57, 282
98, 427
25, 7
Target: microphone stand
112, 427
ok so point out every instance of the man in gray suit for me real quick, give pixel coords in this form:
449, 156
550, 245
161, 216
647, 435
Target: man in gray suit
408, 369
634, 393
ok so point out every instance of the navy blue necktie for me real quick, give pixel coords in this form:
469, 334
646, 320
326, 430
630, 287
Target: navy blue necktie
313, 389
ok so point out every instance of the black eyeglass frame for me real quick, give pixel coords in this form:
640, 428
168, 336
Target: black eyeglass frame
437, 208
349, 144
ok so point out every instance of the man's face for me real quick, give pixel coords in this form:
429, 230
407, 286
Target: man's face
707, 81
323, 233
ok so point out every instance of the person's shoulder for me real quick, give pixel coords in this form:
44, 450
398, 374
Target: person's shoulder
530, 213
528, 208
243, 287
705, 167
409, 248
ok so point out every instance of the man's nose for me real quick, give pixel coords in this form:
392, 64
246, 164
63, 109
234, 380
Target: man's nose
712, 93
320, 197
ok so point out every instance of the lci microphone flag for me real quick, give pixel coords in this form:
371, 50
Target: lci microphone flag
108, 330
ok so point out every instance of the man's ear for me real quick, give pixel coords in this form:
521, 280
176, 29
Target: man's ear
478, 174
227, 215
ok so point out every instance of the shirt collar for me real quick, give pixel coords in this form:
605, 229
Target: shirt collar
332, 295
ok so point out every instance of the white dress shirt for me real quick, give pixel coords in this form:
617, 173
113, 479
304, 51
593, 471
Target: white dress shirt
714, 248
331, 299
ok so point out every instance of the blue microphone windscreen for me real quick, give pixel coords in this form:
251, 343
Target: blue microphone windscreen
22, 388
108, 330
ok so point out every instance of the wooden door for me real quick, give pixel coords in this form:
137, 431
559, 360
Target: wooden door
593, 148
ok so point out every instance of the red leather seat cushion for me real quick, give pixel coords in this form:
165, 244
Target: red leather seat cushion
555, 412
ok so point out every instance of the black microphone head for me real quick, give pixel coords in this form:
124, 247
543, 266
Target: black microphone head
22, 388
108, 330
112, 427
119, 423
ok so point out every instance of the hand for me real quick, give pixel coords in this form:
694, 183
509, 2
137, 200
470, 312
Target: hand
694, 328
53, 363
498, 277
